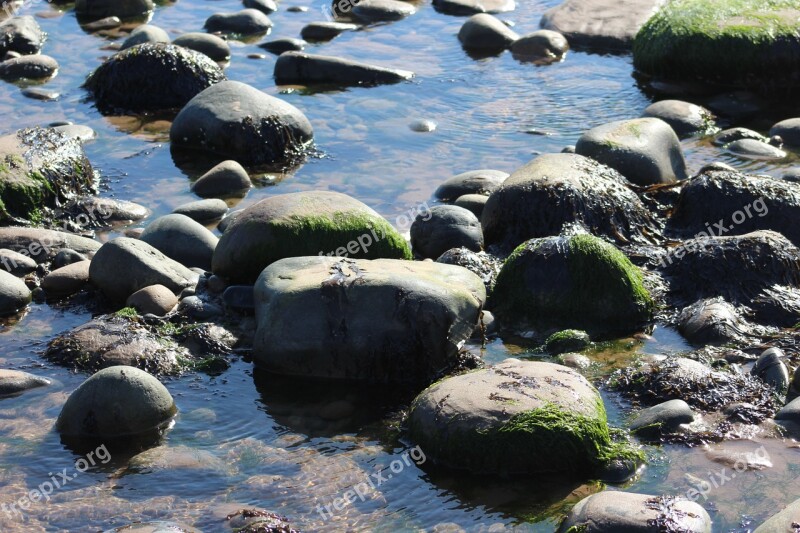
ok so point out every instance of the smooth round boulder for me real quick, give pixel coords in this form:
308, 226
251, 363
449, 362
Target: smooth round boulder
124, 9
313, 223
579, 282
370, 11
244, 22
518, 418
13, 382
225, 180
151, 77
556, 192
618, 512
22, 35
664, 418
685, 118
236, 121
203, 211
214, 47
541, 46
116, 402
14, 294
146, 33
483, 32
265, 6
790, 412
287, 44
473, 203
788, 130
313, 32
31, 67
66, 280
645, 150
182, 239
299, 68
444, 227
754, 149
770, 369
155, 299
473, 182
16, 263
711, 321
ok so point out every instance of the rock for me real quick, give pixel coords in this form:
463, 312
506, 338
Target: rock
126, 9
260, 129
279, 46
445, 227
790, 412
198, 309
36, 67
574, 360
423, 126
155, 299
618, 512
644, 150
314, 32
203, 211
116, 402
107, 23
569, 340
735, 134
772, 370
739, 455
158, 526
13, 382
16, 263
14, 294
685, 118
214, 47
43, 244
300, 68
239, 297
22, 35
486, 33
474, 203
370, 11
578, 282
474, 182
472, 7
93, 212
43, 95
481, 264
227, 179
556, 192
540, 46
746, 43
164, 76
479, 421
146, 33
244, 22
143, 266
65, 257
303, 224
342, 318
792, 175
712, 321
782, 522
265, 6
788, 130
753, 149
600, 24
661, 419
66, 280
77, 131
182, 239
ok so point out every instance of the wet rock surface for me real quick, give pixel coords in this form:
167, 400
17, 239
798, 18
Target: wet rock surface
301, 68
14, 382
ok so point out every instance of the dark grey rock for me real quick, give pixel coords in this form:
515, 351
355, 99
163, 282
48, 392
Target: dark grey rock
225, 180
753, 149
790, 412
472, 7
444, 227
302, 68
35, 67
486, 33
13, 382
43, 244
44, 95
239, 297
788, 130
22, 35
244, 22
711, 321
265, 6
481, 264
313, 32
16, 263
473, 203
198, 309
94, 10
146, 33
370, 11
662, 419
472, 182
182, 239
735, 134
685, 118
214, 47
226, 222
771, 369
203, 211
287, 44
106, 23
544, 46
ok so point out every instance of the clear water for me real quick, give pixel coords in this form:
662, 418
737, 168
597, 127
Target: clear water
250, 440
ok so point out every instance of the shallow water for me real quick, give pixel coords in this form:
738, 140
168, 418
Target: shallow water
257, 440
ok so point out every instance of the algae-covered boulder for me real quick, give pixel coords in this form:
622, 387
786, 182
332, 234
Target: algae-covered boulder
557, 191
39, 168
517, 418
732, 42
384, 320
578, 282
303, 224
151, 77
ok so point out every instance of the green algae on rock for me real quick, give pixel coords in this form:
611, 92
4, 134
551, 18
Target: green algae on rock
577, 282
753, 43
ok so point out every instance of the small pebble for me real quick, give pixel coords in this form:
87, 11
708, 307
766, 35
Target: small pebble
40, 94
103, 24
423, 125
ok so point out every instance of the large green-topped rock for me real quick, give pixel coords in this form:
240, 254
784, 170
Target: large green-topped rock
304, 224
40, 167
752, 43
578, 282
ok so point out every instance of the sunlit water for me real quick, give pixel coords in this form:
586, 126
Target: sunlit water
252, 440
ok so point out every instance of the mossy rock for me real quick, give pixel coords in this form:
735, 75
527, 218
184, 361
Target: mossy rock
568, 340
40, 168
577, 282
518, 418
749, 43
304, 224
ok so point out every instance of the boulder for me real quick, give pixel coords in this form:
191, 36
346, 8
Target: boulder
712, 321
155, 299
16, 263
37, 67
771, 369
556, 192
667, 417
182, 239
474, 203
235, 121
143, 266
685, 118
225, 180
67, 280
473, 182
645, 150
303, 224
146, 33
518, 418
444, 227
485, 33
203, 211
568, 340
151, 77
244, 22
41, 245
22, 35
14, 294
371, 11
65, 257
734, 134
265, 6
790, 412
788, 130
287, 44
315, 32
214, 47
13, 382
543, 46
753, 149
382, 320
579, 282
300, 68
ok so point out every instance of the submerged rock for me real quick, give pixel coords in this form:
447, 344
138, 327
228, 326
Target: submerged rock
259, 130
568, 340
786, 520
13, 382
151, 77
301, 68
33, 67
303, 224
578, 282
92, 10
381, 320
518, 418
